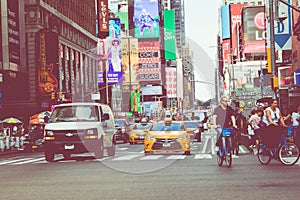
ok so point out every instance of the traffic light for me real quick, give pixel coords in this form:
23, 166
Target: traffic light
53, 95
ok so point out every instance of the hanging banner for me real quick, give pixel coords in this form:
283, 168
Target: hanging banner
169, 35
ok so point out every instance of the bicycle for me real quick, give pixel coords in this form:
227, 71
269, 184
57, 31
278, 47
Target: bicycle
225, 151
287, 152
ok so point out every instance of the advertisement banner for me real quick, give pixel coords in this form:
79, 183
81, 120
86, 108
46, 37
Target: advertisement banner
171, 82
129, 62
169, 35
254, 29
13, 32
225, 20
235, 20
226, 51
103, 14
149, 62
114, 53
146, 19
101, 60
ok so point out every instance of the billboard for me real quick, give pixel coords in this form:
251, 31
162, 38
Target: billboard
169, 35
103, 18
146, 19
225, 19
254, 29
149, 67
235, 20
13, 33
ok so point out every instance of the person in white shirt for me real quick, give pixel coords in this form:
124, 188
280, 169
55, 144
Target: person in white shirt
296, 117
274, 124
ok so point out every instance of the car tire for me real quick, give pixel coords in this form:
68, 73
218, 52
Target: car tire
148, 153
111, 151
99, 150
49, 156
187, 153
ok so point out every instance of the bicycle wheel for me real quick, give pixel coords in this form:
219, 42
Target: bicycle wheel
288, 153
219, 157
264, 155
228, 157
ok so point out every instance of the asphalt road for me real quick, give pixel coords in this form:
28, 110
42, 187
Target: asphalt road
131, 175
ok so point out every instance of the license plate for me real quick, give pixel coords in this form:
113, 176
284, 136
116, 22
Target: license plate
166, 144
141, 137
69, 147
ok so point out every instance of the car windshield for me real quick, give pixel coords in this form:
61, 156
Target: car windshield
120, 123
191, 124
171, 127
198, 115
142, 126
75, 113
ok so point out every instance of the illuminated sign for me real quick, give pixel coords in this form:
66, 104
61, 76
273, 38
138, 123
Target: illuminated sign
146, 19
103, 14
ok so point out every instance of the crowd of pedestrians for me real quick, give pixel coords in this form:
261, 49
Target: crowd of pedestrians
265, 121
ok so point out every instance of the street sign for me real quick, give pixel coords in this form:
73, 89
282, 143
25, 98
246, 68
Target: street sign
283, 29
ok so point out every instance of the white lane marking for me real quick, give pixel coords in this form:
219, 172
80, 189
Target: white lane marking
235, 156
203, 156
28, 161
176, 157
128, 157
14, 161
151, 157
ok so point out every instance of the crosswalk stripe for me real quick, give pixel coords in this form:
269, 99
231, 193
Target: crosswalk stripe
205, 145
128, 157
176, 157
14, 161
203, 156
151, 157
28, 161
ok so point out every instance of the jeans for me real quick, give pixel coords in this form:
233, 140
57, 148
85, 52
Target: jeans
219, 132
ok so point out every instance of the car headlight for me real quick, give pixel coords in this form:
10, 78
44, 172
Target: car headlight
123, 130
49, 133
90, 132
183, 138
150, 138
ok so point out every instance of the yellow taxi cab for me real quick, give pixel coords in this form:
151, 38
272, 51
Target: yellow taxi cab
167, 136
194, 129
138, 132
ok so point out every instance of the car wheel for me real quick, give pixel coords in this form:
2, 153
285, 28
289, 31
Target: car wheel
99, 150
111, 151
49, 156
148, 153
187, 153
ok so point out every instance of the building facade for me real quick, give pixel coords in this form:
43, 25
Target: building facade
57, 62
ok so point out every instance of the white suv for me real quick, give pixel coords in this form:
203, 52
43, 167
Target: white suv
79, 128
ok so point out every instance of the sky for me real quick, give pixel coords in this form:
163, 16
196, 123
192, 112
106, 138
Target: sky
201, 29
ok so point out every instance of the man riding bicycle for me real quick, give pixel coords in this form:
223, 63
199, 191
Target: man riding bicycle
223, 117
